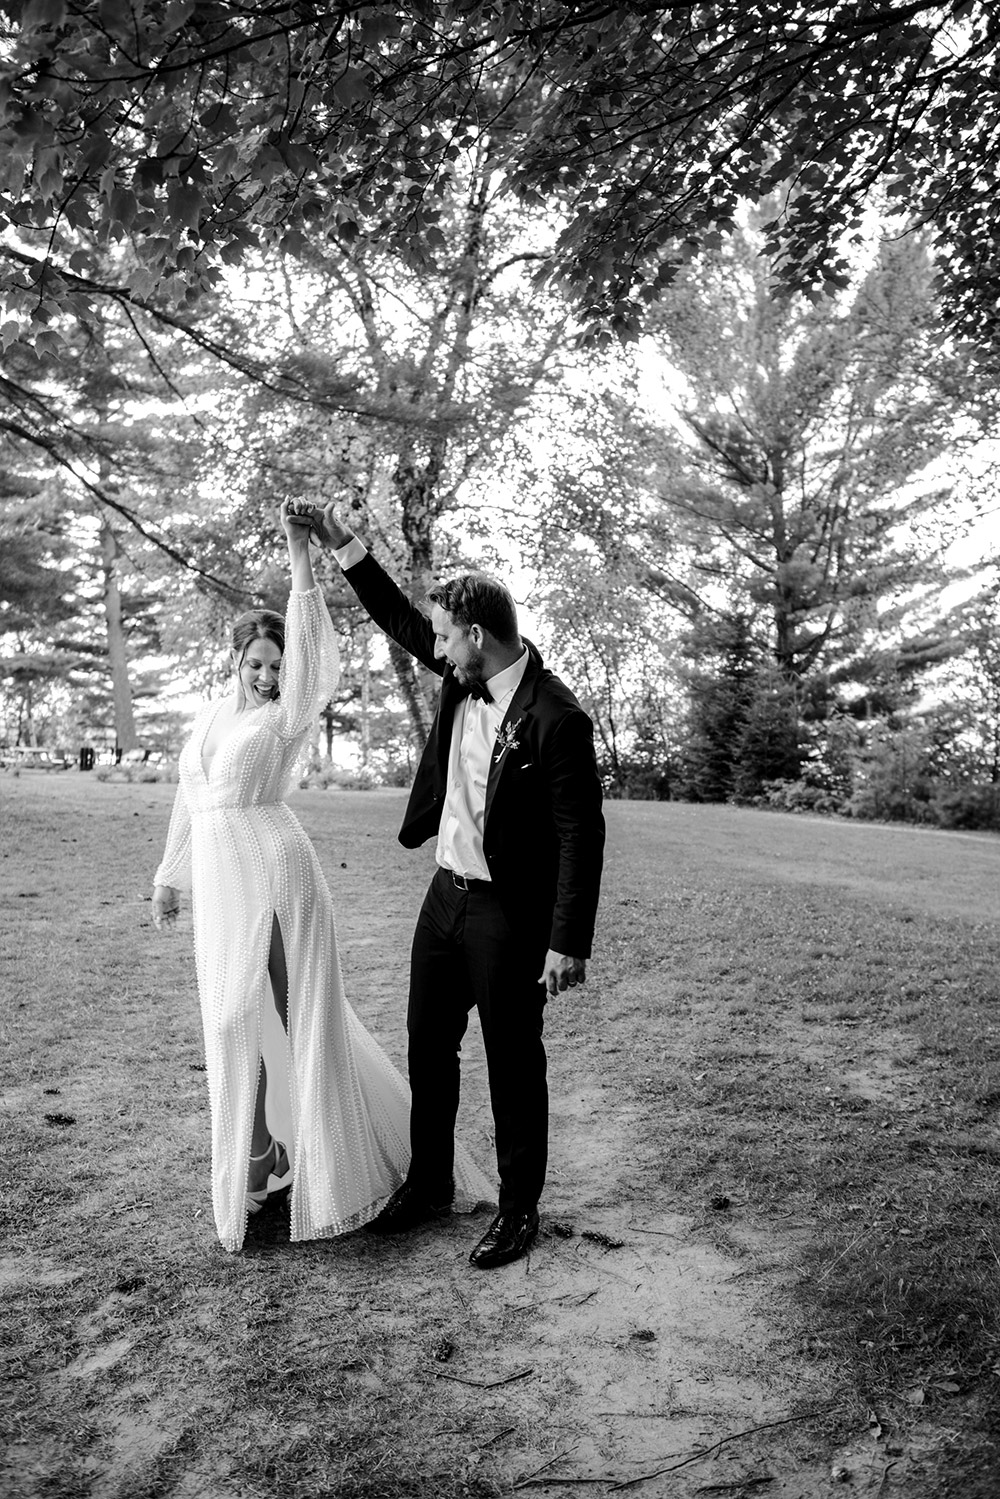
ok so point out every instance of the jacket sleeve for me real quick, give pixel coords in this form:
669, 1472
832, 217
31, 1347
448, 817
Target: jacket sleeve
310, 664
175, 866
393, 612
576, 797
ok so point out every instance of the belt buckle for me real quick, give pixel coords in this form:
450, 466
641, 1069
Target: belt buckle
460, 881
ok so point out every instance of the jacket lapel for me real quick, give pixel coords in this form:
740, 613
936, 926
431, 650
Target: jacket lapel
444, 722
514, 726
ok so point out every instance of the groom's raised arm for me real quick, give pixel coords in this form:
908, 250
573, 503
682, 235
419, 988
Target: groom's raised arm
384, 600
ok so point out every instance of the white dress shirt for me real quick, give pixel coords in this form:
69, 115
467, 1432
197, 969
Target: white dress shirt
473, 745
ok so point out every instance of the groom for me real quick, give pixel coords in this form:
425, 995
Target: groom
508, 786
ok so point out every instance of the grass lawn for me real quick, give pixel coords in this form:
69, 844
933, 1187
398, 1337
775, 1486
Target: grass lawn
770, 1249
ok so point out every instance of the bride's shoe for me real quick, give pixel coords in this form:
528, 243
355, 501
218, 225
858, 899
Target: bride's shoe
281, 1171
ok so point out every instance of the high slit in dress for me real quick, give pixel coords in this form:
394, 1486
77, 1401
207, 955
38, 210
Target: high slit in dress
232, 840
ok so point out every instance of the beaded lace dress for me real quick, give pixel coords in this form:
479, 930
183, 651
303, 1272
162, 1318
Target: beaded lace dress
244, 856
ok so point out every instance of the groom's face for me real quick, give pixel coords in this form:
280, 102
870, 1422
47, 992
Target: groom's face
459, 646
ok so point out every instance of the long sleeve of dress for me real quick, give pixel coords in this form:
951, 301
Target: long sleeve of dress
175, 868
310, 666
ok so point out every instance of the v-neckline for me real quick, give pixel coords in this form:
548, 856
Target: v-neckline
207, 772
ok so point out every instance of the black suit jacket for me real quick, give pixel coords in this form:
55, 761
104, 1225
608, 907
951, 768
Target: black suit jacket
543, 835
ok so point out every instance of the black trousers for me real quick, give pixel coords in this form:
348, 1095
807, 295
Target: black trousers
465, 954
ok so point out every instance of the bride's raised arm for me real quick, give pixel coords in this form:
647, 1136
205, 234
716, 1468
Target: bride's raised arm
310, 665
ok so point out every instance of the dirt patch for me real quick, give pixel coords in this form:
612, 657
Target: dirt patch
99, 1360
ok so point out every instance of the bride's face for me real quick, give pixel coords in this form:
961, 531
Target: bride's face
258, 672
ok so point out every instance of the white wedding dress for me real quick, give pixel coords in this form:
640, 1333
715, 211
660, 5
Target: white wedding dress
245, 858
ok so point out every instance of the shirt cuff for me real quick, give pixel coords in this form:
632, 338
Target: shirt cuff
349, 555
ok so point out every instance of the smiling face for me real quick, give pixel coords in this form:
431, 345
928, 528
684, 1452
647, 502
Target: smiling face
463, 648
258, 672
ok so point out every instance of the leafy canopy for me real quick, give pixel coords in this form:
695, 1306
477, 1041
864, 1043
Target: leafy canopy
194, 131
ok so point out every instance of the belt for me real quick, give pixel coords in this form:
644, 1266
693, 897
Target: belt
462, 882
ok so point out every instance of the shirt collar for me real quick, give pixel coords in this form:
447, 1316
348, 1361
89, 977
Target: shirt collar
506, 682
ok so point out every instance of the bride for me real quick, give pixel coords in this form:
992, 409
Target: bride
273, 1008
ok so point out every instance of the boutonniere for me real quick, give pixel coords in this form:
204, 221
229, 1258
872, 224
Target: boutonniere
507, 738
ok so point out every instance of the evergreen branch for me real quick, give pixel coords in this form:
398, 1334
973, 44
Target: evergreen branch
287, 386
100, 494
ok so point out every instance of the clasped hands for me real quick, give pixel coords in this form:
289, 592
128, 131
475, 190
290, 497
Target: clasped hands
300, 520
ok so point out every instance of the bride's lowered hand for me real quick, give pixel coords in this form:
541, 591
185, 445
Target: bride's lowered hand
166, 907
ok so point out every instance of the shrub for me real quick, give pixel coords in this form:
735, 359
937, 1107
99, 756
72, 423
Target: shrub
968, 807
893, 776
384, 771
800, 796
331, 777
130, 775
890, 804
637, 781
167, 773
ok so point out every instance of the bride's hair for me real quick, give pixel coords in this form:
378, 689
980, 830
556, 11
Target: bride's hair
256, 624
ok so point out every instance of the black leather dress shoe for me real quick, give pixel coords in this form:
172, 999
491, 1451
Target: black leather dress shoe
407, 1208
508, 1237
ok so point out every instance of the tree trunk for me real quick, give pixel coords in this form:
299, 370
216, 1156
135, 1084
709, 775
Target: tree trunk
327, 719
125, 734
406, 676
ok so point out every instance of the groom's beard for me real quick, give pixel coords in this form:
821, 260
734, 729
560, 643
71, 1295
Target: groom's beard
472, 674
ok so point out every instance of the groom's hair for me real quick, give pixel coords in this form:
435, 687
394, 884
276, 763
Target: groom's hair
477, 599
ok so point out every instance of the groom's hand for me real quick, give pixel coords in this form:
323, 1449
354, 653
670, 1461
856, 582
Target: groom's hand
329, 529
562, 972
